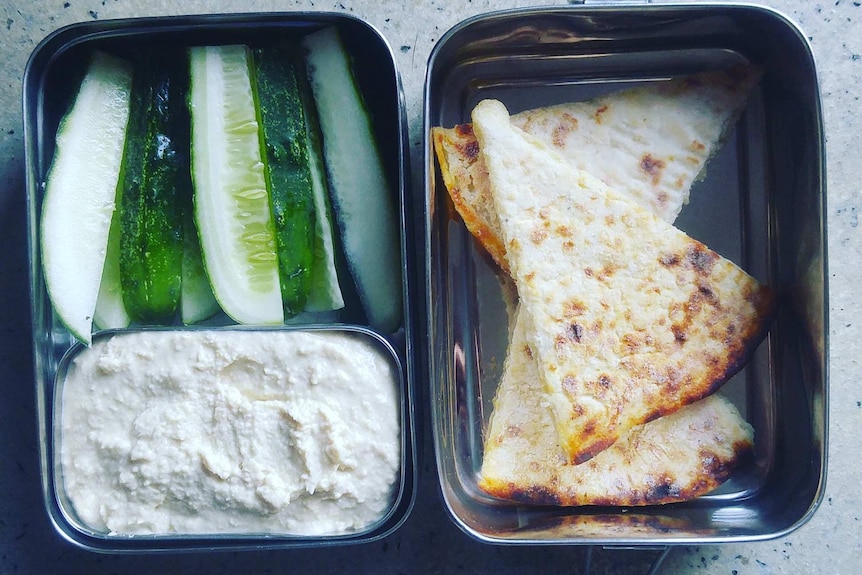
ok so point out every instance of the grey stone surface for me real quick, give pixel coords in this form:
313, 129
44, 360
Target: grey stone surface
429, 542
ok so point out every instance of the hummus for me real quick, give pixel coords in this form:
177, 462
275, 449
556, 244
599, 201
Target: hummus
230, 432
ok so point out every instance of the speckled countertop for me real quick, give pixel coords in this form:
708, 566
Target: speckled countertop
429, 543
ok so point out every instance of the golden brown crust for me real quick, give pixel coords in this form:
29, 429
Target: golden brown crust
671, 459
463, 174
639, 321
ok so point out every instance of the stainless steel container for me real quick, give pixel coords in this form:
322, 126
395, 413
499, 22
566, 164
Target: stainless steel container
49, 84
762, 204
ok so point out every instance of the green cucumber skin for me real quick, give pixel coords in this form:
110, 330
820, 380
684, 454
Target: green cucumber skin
326, 289
156, 191
283, 126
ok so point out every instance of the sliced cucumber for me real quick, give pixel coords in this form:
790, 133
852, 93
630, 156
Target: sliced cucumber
283, 131
197, 301
110, 310
80, 192
155, 180
325, 292
361, 196
232, 211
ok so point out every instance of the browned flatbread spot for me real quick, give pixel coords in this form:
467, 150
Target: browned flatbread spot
652, 167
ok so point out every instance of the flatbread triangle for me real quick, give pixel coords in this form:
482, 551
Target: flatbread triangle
633, 318
651, 141
670, 459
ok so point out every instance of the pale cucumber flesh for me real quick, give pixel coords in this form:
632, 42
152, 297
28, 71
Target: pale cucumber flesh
325, 292
364, 206
231, 203
197, 301
111, 312
79, 203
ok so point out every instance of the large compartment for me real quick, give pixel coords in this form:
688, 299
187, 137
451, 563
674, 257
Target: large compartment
760, 204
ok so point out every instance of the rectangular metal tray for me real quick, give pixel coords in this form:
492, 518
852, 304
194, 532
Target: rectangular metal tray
761, 204
50, 80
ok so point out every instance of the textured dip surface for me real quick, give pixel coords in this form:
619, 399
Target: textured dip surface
230, 432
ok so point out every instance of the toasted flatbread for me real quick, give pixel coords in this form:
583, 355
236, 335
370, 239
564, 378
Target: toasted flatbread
650, 142
633, 319
673, 458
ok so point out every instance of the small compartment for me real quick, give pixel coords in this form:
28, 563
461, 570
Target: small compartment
209, 431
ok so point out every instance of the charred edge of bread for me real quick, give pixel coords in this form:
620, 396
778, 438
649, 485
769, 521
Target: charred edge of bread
486, 238
660, 490
765, 302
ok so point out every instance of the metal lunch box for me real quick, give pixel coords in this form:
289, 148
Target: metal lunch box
761, 204
49, 85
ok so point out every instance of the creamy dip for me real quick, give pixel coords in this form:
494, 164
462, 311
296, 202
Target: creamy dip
230, 431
